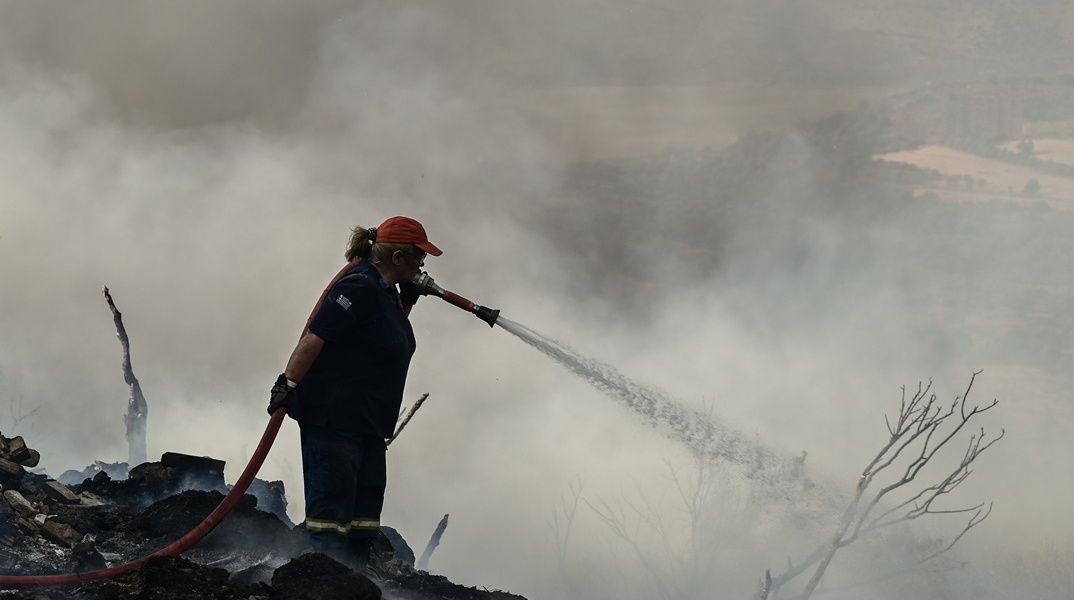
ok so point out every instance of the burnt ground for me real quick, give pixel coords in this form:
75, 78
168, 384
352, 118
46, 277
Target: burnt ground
48, 527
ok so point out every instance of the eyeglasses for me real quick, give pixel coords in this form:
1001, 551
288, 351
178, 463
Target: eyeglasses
419, 256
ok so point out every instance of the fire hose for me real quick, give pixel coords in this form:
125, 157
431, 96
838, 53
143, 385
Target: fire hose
426, 286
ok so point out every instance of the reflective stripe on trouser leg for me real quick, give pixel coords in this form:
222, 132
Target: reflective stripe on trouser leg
344, 476
366, 524
369, 498
359, 524
330, 466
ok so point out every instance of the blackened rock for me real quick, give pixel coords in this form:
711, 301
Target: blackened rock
98, 483
403, 582
254, 575
6, 511
60, 533
314, 576
107, 490
85, 558
60, 492
174, 577
33, 487
25, 525
244, 527
112, 470
271, 497
9, 533
397, 546
197, 472
33, 460
194, 464
15, 450
10, 470
152, 481
90, 519
178, 514
147, 483
151, 473
19, 503
8, 560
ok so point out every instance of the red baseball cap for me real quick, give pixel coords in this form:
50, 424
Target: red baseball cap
404, 230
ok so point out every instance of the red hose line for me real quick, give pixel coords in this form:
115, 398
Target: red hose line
457, 300
182, 544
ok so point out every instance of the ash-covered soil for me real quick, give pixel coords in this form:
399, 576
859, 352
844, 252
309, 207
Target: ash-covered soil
48, 527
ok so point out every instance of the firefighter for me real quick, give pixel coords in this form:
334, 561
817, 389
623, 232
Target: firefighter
344, 382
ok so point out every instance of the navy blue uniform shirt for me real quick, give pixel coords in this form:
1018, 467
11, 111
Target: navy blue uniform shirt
356, 383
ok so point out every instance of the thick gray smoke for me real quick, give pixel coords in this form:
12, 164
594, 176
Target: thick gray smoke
206, 160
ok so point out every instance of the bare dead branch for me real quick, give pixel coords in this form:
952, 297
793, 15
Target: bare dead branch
677, 548
764, 586
407, 417
615, 520
562, 525
974, 521
434, 541
137, 409
915, 437
18, 414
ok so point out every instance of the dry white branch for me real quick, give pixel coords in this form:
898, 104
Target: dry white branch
405, 418
921, 430
137, 410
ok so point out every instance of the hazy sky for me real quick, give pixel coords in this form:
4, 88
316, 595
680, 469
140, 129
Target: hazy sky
206, 161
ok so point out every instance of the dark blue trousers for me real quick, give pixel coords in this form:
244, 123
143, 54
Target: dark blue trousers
344, 475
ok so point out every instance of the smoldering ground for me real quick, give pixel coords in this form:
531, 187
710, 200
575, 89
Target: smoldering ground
205, 163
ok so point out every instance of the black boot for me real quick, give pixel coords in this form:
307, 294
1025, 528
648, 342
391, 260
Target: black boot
366, 557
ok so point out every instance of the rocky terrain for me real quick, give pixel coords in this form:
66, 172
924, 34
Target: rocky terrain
48, 527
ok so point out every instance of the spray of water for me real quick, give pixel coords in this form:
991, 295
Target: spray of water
774, 477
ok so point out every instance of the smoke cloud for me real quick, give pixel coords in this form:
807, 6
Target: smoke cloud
206, 162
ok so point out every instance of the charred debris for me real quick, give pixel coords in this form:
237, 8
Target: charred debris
108, 515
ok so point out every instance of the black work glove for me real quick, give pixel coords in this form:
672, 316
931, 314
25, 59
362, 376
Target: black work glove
408, 293
281, 395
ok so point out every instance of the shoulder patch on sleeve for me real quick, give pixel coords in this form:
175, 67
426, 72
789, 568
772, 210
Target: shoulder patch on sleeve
343, 301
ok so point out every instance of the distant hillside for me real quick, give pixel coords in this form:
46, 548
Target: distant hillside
761, 196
